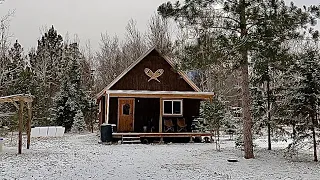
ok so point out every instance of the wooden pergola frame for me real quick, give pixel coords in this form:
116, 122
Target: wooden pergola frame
22, 99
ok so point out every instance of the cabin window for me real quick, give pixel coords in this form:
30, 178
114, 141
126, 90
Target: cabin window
172, 107
126, 109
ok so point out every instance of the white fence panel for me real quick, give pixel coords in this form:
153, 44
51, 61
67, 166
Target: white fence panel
35, 132
51, 131
43, 131
60, 131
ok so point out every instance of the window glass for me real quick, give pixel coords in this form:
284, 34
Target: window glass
126, 109
167, 109
176, 107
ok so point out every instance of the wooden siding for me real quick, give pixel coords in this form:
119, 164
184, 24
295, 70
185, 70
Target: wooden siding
136, 79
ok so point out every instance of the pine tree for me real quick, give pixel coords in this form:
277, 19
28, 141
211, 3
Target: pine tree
234, 27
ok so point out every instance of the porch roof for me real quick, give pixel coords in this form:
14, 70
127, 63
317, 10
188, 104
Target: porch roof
160, 94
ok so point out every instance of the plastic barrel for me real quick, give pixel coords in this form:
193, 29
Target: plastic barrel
106, 133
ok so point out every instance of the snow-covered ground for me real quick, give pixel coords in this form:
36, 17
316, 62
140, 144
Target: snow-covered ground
81, 157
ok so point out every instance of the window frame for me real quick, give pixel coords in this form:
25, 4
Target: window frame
172, 100
123, 114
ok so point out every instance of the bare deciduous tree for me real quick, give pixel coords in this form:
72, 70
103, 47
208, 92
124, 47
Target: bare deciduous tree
5, 42
109, 60
160, 35
134, 45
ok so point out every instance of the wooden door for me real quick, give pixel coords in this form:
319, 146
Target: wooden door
125, 114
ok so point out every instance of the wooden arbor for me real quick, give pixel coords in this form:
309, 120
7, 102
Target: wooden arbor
22, 99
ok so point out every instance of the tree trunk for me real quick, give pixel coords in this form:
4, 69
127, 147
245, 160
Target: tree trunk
269, 115
314, 140
294, 132
247, 121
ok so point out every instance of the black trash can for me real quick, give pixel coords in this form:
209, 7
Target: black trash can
106, 133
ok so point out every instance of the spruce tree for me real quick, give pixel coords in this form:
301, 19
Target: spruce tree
214, 113
79, 124
22, 75
71, 98
15, 67
48, 68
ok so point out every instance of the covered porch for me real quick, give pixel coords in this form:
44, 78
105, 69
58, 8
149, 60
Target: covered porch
157, 113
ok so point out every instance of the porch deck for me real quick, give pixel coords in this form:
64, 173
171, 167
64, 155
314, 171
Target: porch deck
160, 135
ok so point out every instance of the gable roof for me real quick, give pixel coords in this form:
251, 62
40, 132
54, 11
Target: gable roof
182, 74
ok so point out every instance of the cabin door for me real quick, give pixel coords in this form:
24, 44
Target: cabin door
125, 114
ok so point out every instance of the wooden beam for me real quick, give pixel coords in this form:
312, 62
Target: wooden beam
20, 126
15, 104
100, 112
159, 135
160, 116
107, 109
29, 124
17, 97
184, 96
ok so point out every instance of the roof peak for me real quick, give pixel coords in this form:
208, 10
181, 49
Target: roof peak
133, 64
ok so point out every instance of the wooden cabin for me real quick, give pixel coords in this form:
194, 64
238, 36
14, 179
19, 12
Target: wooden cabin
150, 96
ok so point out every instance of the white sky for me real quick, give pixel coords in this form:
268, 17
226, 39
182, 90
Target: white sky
86, 18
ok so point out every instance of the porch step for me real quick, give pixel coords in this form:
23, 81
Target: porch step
130, 139
131, 142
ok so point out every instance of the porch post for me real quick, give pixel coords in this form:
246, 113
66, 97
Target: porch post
160, 116
29, 124
21, 102
107, 109
100, 112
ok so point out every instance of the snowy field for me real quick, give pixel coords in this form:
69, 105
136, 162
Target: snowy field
81, 157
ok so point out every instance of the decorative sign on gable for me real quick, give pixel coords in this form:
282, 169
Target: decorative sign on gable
153, 75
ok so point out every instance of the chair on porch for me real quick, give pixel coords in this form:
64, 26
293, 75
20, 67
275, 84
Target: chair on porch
182, 126
168, 125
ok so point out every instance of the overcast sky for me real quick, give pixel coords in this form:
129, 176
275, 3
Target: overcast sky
86, 18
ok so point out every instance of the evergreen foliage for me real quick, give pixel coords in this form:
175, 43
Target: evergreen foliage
233, 32
213, 113
303, 96
71, 98
48, 67
79, 124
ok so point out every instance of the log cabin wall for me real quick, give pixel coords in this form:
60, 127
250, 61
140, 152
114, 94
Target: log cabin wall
136, 79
